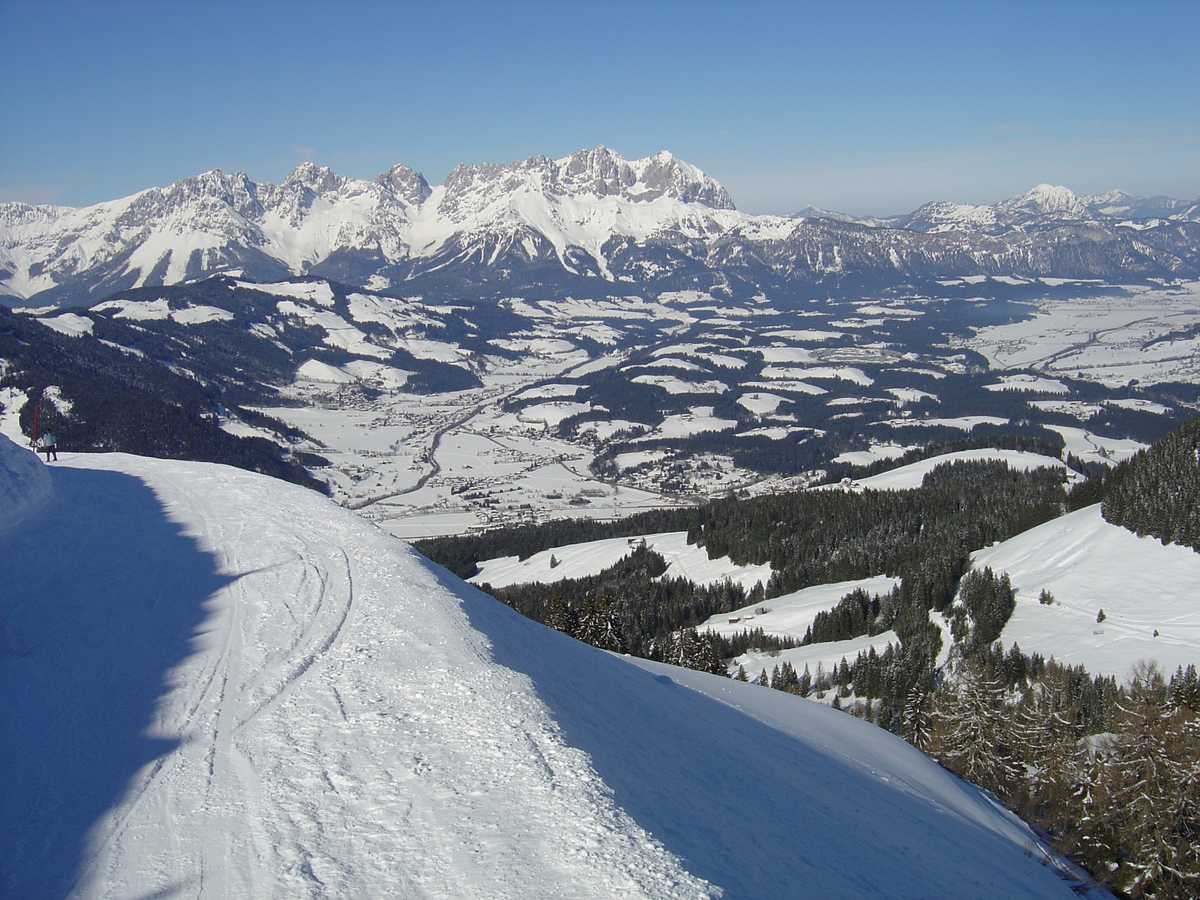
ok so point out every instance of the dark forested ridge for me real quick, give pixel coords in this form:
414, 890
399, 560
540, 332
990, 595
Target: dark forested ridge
1156, 492
95, 397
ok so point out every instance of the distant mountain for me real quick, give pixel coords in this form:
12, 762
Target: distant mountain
589, 223
1044, 208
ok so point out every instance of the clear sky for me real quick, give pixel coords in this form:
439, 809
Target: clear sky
864, 107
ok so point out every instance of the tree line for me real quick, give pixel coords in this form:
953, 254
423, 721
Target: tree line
1155, 492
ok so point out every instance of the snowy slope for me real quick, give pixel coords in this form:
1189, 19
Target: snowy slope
684, 560
910, 476
25, 485
219, 685
1089, 565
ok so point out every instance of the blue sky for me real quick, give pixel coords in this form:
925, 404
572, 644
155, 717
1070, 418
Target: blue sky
866, 107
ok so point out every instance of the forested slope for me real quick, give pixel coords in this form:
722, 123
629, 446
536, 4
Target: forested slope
1157, 491
97, 397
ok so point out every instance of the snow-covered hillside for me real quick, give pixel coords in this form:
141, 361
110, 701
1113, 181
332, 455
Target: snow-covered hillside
1148, 593
220, 685
684, 560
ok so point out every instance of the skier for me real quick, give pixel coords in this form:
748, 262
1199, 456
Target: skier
47, 444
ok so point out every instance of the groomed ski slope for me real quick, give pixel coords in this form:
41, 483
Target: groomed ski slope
217, 685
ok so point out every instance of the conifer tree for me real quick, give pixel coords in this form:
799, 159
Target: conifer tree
971, 731
916, 723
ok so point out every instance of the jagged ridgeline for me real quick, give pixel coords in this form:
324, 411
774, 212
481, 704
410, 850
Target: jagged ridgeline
1156, 492
568, 227
98, 398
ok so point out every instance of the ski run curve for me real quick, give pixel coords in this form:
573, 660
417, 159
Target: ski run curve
218, 685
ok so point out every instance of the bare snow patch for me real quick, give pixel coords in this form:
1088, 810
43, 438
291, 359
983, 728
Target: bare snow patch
1031, 383
135, 310
315, 370
318, 292
70, 324
198, 315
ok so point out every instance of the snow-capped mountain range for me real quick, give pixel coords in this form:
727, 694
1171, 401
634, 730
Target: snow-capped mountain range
1043, 208
591, 222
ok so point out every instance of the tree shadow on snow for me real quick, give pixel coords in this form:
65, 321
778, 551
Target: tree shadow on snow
101, 595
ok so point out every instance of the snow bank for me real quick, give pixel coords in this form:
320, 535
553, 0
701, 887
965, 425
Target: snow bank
24, 483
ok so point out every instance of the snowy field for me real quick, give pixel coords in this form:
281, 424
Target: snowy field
1148, 593
219, 685
910, 476
789, 615
684, 560
1139, 334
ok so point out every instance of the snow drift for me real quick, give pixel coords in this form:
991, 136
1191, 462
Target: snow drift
24, 483
219, 685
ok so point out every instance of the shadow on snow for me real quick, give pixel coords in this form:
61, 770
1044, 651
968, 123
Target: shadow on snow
101, 597
743, 805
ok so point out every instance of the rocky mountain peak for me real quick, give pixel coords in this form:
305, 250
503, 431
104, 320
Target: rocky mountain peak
666, 175
405, 185
318, 179
212, 193
592, 173
600, 172
1045, 199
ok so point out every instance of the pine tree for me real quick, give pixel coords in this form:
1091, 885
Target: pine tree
804, 686
916, 723
598, 625
1046, 742
971, 732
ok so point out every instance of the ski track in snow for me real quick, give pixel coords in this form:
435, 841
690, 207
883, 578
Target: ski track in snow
341, 731
331, 716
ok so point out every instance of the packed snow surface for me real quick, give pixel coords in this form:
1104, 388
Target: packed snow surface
219, 685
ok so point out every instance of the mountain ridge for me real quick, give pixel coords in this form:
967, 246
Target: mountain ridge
586, 222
